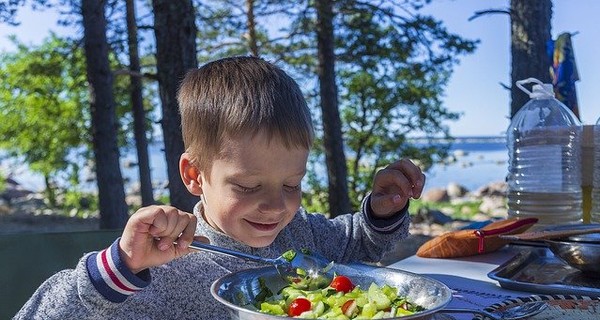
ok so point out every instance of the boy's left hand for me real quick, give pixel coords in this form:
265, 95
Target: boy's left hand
394, 185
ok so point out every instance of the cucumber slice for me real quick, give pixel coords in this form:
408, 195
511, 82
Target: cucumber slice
377, 297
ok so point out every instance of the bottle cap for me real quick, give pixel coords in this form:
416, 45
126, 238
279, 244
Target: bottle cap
540, 90
542, 110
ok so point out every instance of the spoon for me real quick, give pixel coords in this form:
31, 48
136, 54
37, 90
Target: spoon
521, 311
287, 264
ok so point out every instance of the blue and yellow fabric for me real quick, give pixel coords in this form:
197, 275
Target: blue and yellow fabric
563, 71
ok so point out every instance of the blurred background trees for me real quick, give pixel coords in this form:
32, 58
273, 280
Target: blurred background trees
373, 73
42, 93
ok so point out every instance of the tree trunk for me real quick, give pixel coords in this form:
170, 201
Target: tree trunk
111, 193
137, 107
339, 202
251, 25
50, 190
530, 33
175, 33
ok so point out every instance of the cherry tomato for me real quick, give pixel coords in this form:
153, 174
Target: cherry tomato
298, 306
349, 308
342, 283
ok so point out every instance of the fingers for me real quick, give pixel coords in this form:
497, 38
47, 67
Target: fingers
392, 182
187, 236
202, 239
413, 175
150, 233
172, 225
394, 185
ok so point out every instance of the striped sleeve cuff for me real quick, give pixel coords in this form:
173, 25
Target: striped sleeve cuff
111, 277
388, 225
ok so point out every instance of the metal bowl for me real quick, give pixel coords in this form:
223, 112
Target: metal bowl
237, 291
581, 252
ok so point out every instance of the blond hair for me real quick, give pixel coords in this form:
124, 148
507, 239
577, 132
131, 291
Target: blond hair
239, 96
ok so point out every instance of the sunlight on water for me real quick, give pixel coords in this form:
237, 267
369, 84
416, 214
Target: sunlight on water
475, 164
472, 170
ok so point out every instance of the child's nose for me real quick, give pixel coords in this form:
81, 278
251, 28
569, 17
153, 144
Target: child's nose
274, 202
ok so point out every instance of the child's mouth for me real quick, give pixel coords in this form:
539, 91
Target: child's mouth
263, 226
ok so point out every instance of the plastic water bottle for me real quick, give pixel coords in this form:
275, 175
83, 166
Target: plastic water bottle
544, 169
595, 212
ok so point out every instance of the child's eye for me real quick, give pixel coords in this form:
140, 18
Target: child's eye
246, 189
292, 188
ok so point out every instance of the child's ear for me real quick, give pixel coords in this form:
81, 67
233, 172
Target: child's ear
190, 175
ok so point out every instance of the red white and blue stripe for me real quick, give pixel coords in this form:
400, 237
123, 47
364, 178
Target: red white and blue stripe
111, 277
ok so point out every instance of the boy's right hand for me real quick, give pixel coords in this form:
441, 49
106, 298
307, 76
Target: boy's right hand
148, 237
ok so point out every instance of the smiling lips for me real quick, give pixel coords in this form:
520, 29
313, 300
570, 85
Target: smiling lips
263, 226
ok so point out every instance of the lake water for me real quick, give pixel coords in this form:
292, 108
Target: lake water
478, 161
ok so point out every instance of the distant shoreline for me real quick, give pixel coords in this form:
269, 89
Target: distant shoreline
462, 139
479, 160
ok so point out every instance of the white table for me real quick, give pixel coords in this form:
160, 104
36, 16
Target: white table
466, 277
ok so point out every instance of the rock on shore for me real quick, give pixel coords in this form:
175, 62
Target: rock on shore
23, 211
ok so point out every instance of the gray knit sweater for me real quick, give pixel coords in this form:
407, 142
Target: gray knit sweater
181, 288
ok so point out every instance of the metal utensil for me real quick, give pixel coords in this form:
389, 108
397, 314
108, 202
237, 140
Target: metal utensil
287, 264
578, 245
521, 311
549, 234
589, 238
582, 255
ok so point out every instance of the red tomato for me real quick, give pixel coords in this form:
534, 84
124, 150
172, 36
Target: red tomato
342, 283
349, 307
298, 306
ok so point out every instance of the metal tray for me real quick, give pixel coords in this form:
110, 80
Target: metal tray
537, 270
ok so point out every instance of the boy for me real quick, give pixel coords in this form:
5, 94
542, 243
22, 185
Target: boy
247, 132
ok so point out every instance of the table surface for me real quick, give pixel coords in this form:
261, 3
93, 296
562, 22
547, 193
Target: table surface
466, 277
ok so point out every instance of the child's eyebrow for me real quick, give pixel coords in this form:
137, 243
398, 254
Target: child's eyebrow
254, 174
301, 173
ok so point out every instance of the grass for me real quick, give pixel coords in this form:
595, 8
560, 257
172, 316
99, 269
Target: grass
463, 211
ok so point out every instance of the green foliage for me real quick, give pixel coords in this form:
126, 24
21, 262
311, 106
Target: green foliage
314, 198
164, 199
2, 181
221, 28
394, 68
79, 204
124, 113
42, 95
44, 106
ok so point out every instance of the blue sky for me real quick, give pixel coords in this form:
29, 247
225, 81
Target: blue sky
474, 89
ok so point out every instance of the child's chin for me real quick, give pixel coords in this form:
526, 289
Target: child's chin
259, 242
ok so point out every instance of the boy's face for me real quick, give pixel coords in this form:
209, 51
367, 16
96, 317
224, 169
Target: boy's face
254, 189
